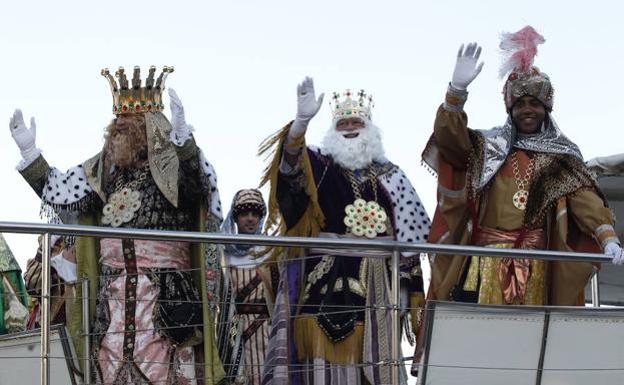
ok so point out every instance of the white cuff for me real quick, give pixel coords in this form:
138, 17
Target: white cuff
180, 136
65, 269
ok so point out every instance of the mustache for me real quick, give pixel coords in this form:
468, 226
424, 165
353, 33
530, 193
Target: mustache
125, 131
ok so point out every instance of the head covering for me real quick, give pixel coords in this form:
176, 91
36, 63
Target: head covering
520, 49
248, 200
244, 200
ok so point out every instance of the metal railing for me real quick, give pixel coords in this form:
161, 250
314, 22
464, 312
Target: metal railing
394, 247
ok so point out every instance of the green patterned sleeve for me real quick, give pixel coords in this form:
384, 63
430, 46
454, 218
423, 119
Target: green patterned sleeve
36, 174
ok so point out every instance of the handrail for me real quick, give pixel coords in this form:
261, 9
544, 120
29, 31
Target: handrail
306, 242
263, 240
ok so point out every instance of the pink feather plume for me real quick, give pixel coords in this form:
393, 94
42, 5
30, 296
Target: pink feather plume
519, 50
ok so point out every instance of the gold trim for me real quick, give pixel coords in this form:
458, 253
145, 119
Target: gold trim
312, 342
356, 287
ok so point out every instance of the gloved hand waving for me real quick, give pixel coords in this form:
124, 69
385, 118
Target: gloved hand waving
307, 107
24, 137
466, 67
180, 130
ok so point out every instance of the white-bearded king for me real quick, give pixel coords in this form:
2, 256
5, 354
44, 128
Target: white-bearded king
346, 188
151, 302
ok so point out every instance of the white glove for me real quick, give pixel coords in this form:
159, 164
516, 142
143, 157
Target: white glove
181, 131
24, 136
307, 106
614, 251
65, 268
466, 68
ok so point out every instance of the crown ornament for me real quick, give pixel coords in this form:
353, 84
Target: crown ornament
349, 105
131, 98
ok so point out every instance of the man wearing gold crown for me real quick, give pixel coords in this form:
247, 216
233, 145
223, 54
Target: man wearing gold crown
521, 185
151, 302
243, 329
346, 188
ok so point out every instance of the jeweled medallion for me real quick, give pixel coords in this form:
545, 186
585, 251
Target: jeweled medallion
365, 218
121, 207
520, 199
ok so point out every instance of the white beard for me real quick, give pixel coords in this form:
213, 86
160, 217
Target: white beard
354, 153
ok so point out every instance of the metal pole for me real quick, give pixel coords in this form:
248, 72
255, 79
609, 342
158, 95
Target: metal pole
396, 319
595, 289
45, 309
86, 329
305, 242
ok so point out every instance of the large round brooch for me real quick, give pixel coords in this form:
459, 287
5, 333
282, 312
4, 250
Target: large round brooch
520, 199
121, 207
365, 218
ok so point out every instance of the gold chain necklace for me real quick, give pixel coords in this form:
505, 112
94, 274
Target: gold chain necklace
521, 196
364, 218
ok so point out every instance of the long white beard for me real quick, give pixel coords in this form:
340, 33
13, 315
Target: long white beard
354, 153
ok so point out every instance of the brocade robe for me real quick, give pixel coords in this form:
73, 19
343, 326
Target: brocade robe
564, 201
311, 201
245, 317
151, 302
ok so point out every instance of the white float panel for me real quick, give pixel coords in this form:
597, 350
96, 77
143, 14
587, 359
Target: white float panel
493, 345
585, 347
20, 358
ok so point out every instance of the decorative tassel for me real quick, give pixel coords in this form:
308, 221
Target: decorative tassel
429, 169
312, 220
52, 212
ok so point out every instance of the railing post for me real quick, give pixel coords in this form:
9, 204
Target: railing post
86, 330
45, 309
595, 288
396, 319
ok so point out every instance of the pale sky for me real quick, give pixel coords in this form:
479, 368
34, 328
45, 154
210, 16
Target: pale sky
237, 64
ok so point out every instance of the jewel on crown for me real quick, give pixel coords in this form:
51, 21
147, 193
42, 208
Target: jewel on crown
132, 98
349, 105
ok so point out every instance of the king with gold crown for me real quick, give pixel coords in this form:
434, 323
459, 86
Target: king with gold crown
347, 188
151, 302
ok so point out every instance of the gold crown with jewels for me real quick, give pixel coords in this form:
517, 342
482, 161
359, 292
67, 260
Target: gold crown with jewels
131, 97
349, 105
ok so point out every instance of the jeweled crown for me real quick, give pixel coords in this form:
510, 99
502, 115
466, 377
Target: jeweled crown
131, 97
349, 105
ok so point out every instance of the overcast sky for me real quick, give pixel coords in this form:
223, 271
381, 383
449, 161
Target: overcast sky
237, 64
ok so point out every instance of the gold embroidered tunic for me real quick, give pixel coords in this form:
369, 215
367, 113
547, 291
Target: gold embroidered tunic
577, 220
